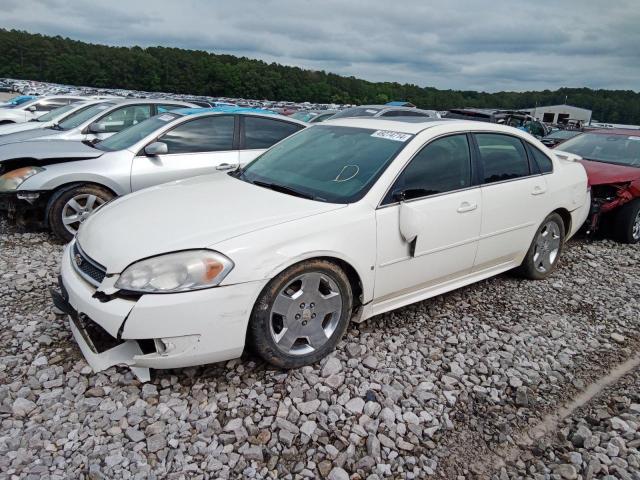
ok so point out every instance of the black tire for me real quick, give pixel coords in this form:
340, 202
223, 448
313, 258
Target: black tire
259, 335
529, 268
626, 225
58, 201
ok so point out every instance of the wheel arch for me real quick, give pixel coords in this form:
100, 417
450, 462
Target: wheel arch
566, 220
61, 189
355, 279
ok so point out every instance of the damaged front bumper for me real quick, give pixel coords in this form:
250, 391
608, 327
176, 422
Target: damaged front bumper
154, 331
25, 207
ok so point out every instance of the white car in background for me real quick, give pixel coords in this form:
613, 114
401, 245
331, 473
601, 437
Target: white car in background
34, 108
98, 122
49, 119
344, 220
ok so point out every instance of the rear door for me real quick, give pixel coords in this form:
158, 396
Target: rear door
259, 133
514, 199
196, 147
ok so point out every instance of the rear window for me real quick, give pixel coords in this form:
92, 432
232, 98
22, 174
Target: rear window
357, 112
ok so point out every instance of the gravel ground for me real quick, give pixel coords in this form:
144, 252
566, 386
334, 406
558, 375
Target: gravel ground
600, 440
433, 389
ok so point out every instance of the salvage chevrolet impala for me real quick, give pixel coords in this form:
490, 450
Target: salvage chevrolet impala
339, 222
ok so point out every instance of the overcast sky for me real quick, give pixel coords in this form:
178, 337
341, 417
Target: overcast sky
458, 44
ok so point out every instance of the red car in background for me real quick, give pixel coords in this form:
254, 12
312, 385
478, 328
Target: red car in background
611, 158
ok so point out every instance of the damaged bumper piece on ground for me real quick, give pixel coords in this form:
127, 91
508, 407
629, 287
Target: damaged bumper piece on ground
152, 331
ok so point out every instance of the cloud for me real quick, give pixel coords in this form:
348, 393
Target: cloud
457, 44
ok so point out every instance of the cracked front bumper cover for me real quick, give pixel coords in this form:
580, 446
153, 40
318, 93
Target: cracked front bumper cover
122, 353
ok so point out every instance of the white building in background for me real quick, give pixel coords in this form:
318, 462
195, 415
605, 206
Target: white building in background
560, 114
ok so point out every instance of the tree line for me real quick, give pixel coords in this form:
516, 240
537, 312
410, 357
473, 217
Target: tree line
61, 60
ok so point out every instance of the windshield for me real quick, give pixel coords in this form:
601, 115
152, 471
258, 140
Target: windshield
327, 162
132, 135
55, 114
82, 116
356, 112
618, 149
563, 134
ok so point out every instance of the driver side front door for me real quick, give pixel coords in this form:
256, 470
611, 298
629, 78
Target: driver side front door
196, 147
442, 204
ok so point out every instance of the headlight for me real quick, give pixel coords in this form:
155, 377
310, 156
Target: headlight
12, 180
176, 272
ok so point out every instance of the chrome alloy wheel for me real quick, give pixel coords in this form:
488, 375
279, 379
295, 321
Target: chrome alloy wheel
547, 247
77, 209
635, 229
305, 314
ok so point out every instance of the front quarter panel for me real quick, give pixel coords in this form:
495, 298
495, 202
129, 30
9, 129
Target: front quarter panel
111, 170
348, 234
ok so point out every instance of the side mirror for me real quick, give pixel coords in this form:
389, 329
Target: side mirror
399, 195
97, 128
31, 108
409, 223
156, 148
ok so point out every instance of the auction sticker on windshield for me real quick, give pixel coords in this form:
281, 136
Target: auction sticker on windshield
389, 135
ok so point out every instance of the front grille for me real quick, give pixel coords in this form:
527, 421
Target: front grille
89, 269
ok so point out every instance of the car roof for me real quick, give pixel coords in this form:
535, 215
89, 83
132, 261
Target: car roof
616, 131
415, 125
235, 110
229, 109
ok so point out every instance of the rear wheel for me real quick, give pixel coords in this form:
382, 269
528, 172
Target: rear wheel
626, 226
69, 208
301, 314
544, 252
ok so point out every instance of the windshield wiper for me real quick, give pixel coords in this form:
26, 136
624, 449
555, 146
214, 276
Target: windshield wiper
283, 189
55, 126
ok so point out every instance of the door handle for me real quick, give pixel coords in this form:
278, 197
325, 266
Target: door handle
538, 190
225, 166
467, 207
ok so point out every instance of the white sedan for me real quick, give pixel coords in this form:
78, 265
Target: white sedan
341, 221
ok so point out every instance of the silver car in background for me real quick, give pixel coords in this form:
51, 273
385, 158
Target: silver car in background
35, 108
59, 183
49, 119
386, 111
100, 121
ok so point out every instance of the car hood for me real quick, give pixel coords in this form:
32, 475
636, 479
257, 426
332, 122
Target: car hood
48, 149
26, 135
11, 128
186, 214
600, 173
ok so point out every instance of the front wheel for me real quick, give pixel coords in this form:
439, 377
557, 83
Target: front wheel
301, 314
544, 252
69, 208
626, 224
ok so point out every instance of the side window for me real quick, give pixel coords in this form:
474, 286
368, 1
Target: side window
503, 157
442, 166
263, 132
125, 117
545, 165
210, 134
47, 106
